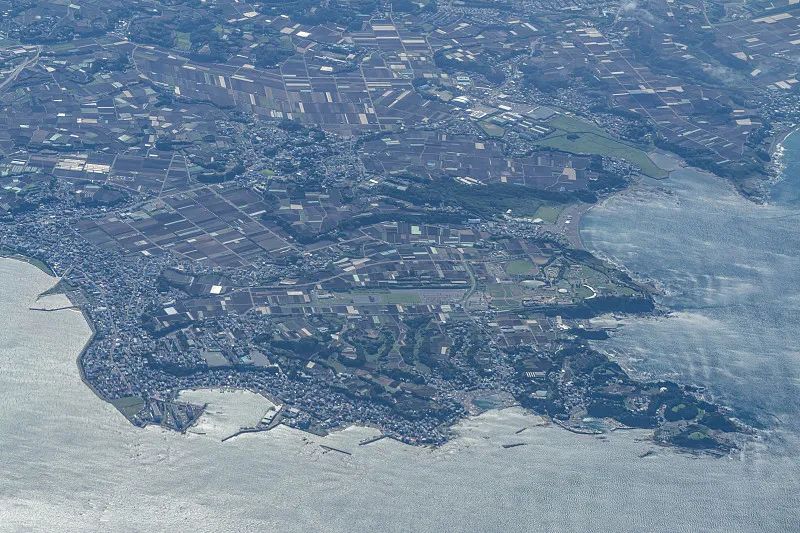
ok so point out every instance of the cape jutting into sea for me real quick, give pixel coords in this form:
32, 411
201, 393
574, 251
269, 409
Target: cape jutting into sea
72, 462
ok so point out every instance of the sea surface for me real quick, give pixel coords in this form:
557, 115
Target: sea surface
70, 462
729, 272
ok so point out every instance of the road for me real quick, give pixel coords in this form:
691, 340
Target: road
17, 71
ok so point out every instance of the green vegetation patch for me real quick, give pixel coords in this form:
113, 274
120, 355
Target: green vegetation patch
519, 267
582, 292
492, 130
402, 298
183, 41
580, 137
376, 297
548, 212
500, 290
487, 200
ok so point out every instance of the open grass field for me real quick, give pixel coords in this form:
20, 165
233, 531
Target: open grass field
377, 297
402, 298
548, 212
492, 130
580, 137
519, 267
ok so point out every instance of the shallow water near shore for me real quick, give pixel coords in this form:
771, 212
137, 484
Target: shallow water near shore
71, 462
787, 191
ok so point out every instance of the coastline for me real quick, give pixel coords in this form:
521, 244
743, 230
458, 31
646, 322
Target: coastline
46, 269
71, 460
571, 230
780, 137
572, 218
88, 343
653, 435
41, 265
776, 163
680, 311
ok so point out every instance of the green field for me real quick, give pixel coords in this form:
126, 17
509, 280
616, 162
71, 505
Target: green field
582, 292
589, 139
519, 267
538, 209
402, 298
505, 295
394, 297
548, 212
500, 290
492, 130
182, 41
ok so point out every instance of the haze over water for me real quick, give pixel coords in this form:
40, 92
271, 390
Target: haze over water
68, 461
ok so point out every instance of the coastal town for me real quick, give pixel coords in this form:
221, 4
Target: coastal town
368, 211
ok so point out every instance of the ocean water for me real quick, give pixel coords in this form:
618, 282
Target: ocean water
70, 462
729, 270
